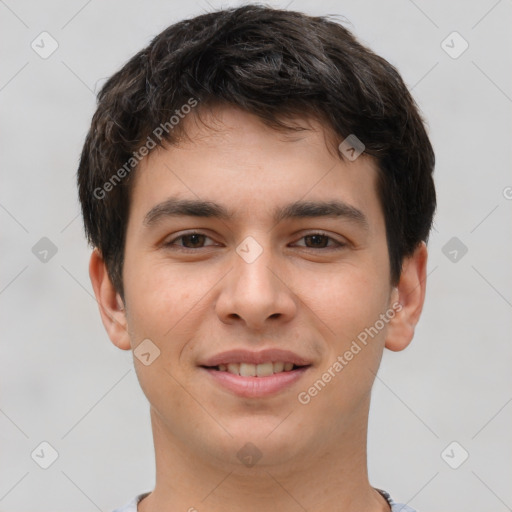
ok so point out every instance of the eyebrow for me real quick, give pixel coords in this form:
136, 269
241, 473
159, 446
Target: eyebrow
312, 209
174, 207
185, 207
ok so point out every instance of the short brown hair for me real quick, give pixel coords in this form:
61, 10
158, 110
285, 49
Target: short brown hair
272, 63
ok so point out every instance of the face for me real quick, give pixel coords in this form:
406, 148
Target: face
255, 252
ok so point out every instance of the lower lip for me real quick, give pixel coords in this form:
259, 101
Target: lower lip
257, 387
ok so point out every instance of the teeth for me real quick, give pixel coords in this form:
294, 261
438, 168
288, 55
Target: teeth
278, 367
247, 370
253, 370
234, 368
262, 370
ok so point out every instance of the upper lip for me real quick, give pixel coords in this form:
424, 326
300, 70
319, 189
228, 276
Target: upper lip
263, 356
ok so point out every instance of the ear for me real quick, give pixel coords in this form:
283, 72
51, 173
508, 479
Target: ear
111, 306
410, 293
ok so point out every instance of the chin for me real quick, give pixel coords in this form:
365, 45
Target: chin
258, 441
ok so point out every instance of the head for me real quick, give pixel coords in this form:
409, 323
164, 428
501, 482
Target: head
229, 126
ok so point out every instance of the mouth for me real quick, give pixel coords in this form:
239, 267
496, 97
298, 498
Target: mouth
255, 380
255, 374
256, 370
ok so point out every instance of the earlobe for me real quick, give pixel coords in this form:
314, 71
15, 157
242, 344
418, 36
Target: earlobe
410, 294
112, 309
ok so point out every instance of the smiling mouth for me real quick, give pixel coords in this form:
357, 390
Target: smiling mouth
256, 370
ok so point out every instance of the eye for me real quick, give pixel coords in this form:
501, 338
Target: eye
321, 241
189, 241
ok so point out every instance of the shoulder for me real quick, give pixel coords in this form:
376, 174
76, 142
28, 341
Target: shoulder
395, 507
131, 506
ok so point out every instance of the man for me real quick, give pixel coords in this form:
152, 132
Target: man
257, 187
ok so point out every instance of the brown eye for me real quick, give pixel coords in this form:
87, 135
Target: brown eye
320, 241
192, 241
317, 241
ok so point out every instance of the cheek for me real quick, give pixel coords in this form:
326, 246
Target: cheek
346, 299
348, 306
167, 305
159, 296
162, 307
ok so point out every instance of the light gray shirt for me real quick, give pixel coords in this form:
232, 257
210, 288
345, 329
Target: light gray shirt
395, 507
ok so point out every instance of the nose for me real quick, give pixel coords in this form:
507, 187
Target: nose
256, 293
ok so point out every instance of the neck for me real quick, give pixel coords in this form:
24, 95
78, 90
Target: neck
316, 480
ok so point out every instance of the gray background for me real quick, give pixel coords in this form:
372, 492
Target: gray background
62, 381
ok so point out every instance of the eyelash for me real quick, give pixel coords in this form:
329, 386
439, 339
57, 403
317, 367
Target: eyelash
172, 244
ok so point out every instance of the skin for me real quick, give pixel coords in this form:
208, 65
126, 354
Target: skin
297, 295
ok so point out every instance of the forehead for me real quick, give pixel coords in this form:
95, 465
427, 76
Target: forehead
231, 157
228, 123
